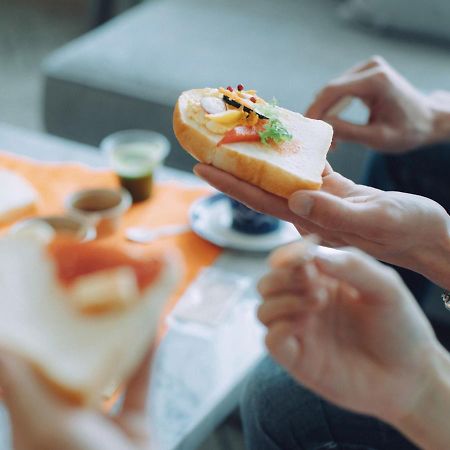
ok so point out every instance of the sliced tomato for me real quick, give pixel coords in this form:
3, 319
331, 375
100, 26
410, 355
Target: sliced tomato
242, 134
74, 259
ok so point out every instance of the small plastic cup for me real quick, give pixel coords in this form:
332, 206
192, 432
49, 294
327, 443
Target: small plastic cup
134, 155
100, 208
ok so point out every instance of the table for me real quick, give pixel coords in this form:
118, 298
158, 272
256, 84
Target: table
197, 376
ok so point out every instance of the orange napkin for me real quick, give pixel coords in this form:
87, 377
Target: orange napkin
169, 205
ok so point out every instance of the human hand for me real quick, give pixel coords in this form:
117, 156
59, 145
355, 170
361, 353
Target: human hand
401, 117
41, 420
402, 229
346, 327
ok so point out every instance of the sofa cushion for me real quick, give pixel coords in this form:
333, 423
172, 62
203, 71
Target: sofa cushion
417, 17
129, 72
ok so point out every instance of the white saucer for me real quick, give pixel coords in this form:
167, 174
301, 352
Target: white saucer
210, 218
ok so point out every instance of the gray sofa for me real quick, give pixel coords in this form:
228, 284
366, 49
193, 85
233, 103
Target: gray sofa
129, 72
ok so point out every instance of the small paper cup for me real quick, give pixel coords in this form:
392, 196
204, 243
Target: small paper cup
100, 208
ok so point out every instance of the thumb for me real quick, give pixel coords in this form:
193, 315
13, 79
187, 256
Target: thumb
135, 399
13, 370
329, 211
23, 392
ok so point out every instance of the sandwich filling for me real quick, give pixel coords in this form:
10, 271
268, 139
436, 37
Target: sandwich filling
74, 260
99, 279
240, 116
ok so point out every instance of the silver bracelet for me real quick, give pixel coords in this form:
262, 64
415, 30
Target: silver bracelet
446, 299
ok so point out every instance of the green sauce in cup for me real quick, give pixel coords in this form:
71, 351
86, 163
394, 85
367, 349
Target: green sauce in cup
134, 155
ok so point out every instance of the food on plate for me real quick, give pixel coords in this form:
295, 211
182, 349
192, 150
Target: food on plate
83, 314
257, 141
17, 197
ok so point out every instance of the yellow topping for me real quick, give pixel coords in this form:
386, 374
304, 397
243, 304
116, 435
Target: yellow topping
250, 120
230, 117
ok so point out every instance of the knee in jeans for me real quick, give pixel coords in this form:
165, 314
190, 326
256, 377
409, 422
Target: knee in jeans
271, 398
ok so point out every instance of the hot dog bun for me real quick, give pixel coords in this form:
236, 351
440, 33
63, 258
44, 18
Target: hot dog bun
280, 169
82, 315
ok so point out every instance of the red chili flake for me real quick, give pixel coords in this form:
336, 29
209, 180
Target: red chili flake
253, 99
240, 87
229, 88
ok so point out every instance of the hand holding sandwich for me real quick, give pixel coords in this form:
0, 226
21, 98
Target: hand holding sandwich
41, 420
346, 327
401, 117
403, 229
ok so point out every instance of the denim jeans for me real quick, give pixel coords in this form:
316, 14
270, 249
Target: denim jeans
280, 414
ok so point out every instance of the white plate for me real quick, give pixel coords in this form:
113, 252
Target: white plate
210, 218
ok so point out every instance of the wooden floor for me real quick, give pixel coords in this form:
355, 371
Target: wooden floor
30, 30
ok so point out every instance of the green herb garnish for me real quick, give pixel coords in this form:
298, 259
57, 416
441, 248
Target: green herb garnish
274, 130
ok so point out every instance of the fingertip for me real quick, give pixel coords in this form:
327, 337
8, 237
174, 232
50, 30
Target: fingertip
263, 285
327, 170
199, 169
311, 112
294, 254
360, 270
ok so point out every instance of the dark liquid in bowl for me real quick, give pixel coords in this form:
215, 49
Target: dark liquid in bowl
140, 188
97, 202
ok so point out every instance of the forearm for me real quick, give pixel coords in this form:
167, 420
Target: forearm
427, 425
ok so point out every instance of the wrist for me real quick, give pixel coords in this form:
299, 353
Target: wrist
440, 110
426, 423
434, 261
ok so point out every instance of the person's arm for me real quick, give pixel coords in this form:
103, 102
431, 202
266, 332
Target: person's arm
401, 118
427, 424
346, 327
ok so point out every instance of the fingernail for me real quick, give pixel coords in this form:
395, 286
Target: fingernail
301, 204
195, 170
288, 351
